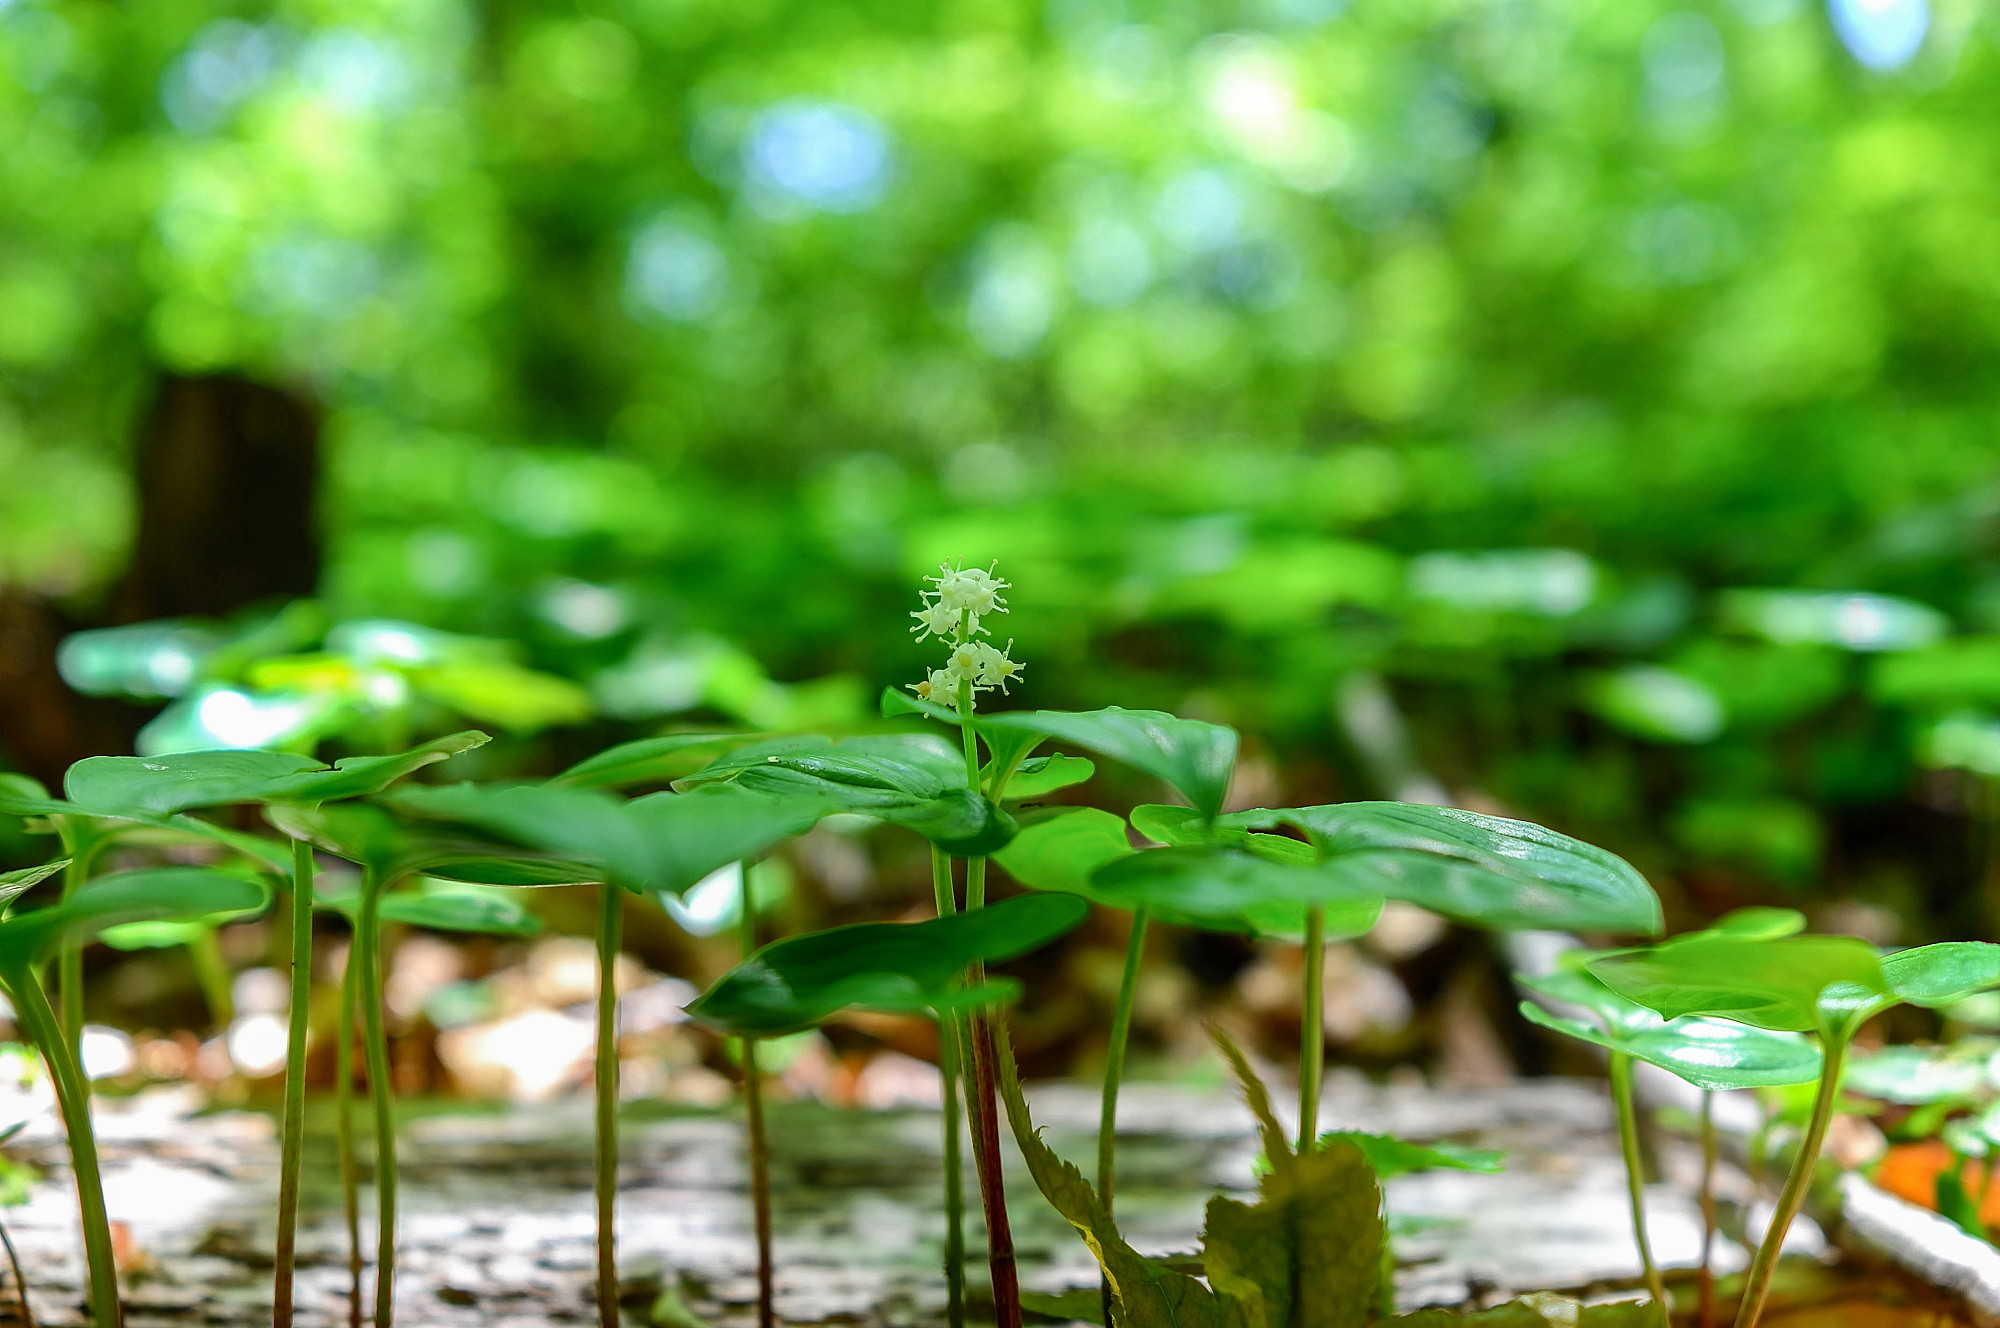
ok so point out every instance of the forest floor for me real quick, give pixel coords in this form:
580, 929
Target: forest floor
497, 1229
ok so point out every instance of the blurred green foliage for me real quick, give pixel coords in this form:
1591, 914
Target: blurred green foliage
1559, 376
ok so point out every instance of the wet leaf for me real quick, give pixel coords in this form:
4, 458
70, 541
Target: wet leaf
148, 894
905, 968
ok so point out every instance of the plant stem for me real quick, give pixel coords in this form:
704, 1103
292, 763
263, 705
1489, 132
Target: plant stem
1312, 1028
20, 1280
39, 1023
760, 1156
343, 1124
291, 1165
1757, 1284
1628, 1143
610, 924
211, 974
1706, 1282
949, 1039
1114, 1075
381, 1094
81, 844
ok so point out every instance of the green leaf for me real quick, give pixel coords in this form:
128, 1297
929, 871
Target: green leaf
1040, 776
1277, 1149
651, 760
915, 780
1309, 1251
896, 702
1391, 1157
661, 843
1485, 870
162, 785
1196, 758
1707, 1052
1944, 974
1918, 1075
1229, 889
1828, 984
1954, 1202
1061, 852
903, 968
1758, 923
1541, 1310
22, 796
459, 911
14, 884
148, 894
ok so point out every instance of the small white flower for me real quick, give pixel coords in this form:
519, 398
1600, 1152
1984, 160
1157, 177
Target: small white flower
969, 590
995, 669
935, 620
963, 661
938, 685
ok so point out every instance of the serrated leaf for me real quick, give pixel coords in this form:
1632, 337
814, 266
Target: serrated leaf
1277, 1150
1486, 870
1309, 1252
1541, 1310
906, 968
1195, 757
1061, 852
1391, 1157
651, 760
147, 894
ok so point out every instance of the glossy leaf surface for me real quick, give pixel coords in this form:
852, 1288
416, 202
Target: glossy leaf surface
14, 884
145, 895
1828, 984
1485, 870
1707, 1052
1232, 889
1943, 974
663, 842
162, 785
1039, 776
1196, 758
650, 760
904, 968
915, 780
1062, 851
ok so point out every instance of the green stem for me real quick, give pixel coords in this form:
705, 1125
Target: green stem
1312, 1028
610, 924
949, 1039
343, 1124
1706, 1281
81, 844
39, 1023
291, 1165
1114, 1075
381, 1094
20, 1280
760, 1156
1757, 1284
211, 974
1628, 1143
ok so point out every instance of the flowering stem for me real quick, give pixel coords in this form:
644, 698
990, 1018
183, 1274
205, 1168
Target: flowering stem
1628, 1142
292, 1162
1312, 1029
760, 1156
950, 1038
1114, 1075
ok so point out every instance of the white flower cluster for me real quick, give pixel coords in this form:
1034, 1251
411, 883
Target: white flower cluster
951, 613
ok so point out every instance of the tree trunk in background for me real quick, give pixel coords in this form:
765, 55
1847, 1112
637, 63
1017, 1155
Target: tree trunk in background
226, 474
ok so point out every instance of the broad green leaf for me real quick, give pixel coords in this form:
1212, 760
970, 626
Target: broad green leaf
1040, 776
915, 780
1943, 974
1230, 889
1825, 984
159, 934
1060, 853
446, 909
1758, 923
1707, 1052
162, 785
897, 702
898, 967
1485, 870
517, 869
1174, 826
358, 832
14, 884
22, 796
1917, 1075
651, 760
1195, 757
148, 894
1391, 1157
661, 843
